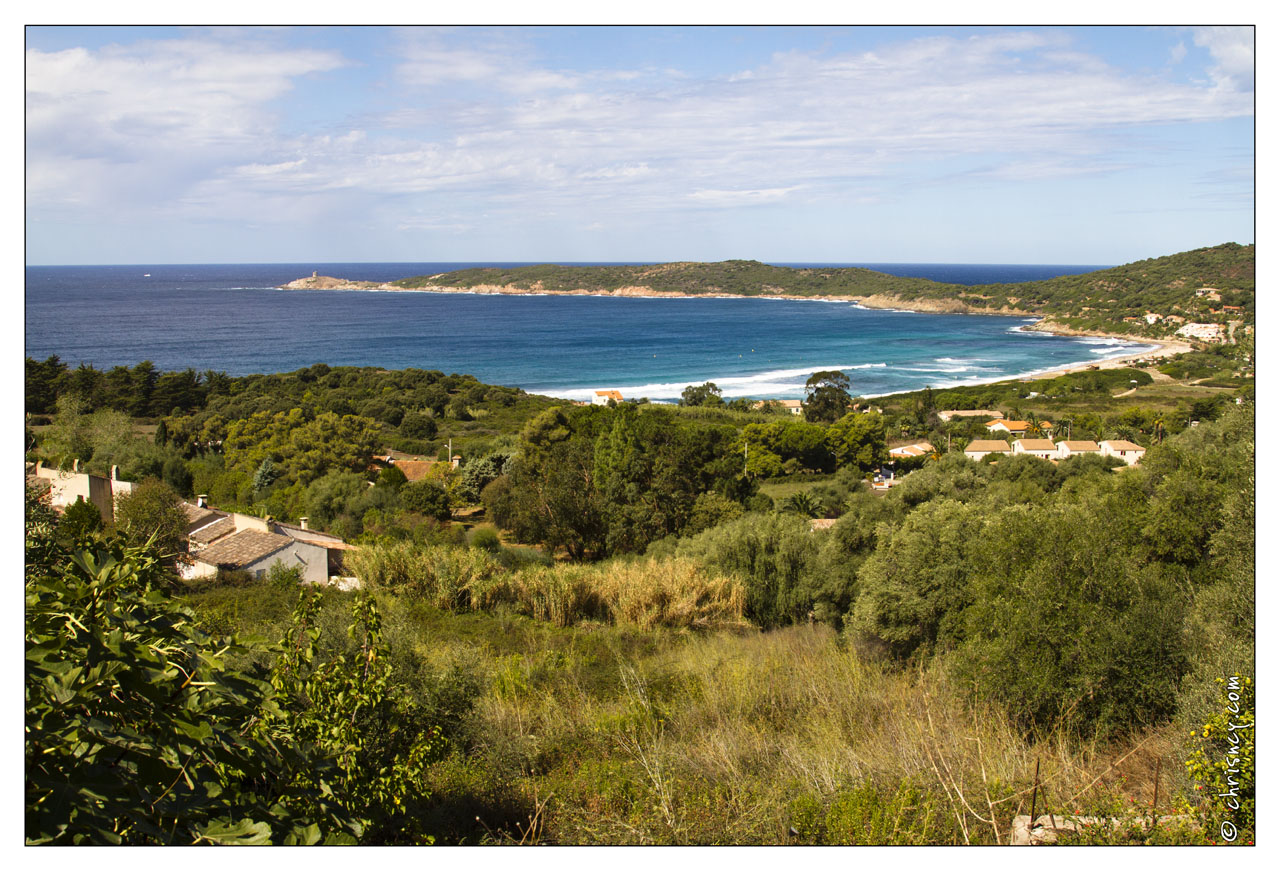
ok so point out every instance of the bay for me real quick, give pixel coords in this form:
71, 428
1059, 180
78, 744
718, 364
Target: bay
232, 318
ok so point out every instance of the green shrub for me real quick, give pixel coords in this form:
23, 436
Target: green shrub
770, 553
1222, 762
486, 539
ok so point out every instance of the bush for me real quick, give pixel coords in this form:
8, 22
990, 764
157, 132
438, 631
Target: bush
80, 519
486, 539
770, 553
427, 498
418, 426
1222, 763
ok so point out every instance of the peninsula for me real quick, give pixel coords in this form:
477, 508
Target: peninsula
1205, 294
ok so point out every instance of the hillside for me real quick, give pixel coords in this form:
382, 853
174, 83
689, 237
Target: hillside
1102, 300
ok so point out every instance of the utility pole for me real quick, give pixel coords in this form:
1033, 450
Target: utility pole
744, 457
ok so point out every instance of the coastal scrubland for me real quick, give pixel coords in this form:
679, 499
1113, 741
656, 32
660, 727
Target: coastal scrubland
898, 678
620, 625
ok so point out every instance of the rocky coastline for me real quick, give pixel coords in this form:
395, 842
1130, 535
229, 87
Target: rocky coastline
872, 301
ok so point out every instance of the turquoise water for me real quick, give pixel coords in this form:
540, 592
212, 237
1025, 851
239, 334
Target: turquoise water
231, 318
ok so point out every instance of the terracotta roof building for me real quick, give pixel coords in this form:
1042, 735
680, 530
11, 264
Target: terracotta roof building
1077, 448
919, 449
979, 448
1043, 448
1125, 450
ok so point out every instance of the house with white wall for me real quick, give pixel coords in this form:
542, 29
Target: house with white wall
1124, 450
979, 448
66, 487
1045, 449
1078, 448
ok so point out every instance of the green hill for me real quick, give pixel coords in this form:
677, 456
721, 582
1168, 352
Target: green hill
1099, 300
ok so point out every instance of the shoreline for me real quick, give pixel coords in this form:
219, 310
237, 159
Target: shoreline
1154, 349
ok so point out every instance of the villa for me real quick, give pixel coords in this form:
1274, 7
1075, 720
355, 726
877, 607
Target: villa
1078, 448
1125, 450
979, 448
1045, 449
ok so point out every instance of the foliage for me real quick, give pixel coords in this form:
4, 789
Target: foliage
302, 447
350, 708
153, 513
140, 730
826, 397
1222, 761
644, 593
486, 539
428, 498
701, 394
80, 519
915, 587
770, 553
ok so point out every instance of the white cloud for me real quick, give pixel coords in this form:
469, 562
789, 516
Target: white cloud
189, 126
148, 117
741, 197
1232, 50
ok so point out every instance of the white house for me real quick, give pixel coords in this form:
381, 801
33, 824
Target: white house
1078, 448
1015, 427
1125, 450
970, 412
253, 544
66, 487
919, 449
255, 552
979, 448
1045, 449
794, 406
1207, 332
602, 397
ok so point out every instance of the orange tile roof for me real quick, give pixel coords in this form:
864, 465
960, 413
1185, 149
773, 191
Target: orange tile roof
1122, 445
1080, 446
991, 446
1037, 444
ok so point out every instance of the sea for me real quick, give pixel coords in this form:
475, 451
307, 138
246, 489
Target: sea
233, 318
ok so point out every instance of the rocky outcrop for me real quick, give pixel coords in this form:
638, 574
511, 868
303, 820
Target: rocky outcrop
328, 282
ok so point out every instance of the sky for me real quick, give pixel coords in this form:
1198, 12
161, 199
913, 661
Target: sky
1062, 145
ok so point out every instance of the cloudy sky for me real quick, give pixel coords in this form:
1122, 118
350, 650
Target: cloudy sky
833, 144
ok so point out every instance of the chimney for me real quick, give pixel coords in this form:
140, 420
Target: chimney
115, 473
75, 465
202, 500
302, 521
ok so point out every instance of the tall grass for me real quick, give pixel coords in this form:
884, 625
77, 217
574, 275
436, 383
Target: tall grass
645, 594
788, 737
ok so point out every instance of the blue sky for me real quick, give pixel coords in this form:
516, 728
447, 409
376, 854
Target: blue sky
792, 144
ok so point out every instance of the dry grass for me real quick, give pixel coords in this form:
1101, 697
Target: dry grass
743, 738
645, 594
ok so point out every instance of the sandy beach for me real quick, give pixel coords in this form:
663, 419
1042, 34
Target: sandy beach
1164, 348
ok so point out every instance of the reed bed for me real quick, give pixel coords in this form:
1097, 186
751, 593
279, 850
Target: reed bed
646, 594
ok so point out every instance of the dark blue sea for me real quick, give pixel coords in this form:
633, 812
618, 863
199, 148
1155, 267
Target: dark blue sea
232, 318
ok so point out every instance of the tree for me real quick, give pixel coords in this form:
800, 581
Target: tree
153, 513
427, 498
701, 394
79, 520
418, 425
858, 441
138, 730
826, 396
